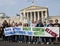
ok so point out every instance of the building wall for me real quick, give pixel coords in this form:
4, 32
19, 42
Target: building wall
17, 19
36, 13
54, 17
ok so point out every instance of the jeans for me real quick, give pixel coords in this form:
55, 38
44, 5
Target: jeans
47, 39
35, 39
41, 39
21, 38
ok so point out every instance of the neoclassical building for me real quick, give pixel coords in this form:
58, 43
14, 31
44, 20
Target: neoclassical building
34, 13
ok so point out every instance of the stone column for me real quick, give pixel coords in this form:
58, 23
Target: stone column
38, 15
21, 16
24, 16
42, 16
31, 16
34, 16
27, 15
46, 16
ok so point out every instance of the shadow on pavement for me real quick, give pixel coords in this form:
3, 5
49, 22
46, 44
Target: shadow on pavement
6, 43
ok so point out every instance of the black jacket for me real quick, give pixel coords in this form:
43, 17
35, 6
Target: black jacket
39, 25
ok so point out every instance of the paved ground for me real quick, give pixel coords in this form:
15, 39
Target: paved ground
3, 43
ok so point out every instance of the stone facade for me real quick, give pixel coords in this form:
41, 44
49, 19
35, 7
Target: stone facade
35, 13
54, 17
17, 19
32, 13
14, 18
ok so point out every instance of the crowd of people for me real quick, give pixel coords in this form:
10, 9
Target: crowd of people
29, 39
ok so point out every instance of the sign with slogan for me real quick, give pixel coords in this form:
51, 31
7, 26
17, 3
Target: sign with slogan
28, 31
38, 31
26, 28
17, 30
33, 31
52, 31
8, 31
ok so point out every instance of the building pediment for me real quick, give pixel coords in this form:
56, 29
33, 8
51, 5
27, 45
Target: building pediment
33, 7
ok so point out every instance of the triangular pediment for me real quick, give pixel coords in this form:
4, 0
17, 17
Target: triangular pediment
33, 7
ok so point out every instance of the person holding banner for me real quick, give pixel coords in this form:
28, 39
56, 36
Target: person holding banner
41, 39
56, 24
13, 36
16, 38
32, 24
0, 31
27, 39
51, 25
21, 38
46, 38
5, 24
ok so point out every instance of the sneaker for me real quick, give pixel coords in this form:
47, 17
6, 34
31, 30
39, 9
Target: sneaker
36, 42
28, 42
21, 41
52, 42
47, 43
42, 43
33, 42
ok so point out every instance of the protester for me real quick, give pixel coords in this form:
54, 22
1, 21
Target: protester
21, 37
51, 25
5, 24
16, 36
0, 31
13, 36
56, 24
34, 23
40, 24
13, 24
29, 39
9, 25
32, 37
46, 38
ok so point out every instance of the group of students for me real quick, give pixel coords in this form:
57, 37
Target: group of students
47, 40
30, 39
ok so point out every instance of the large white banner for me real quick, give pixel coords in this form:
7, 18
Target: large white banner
33, 31
8, 31
52, 31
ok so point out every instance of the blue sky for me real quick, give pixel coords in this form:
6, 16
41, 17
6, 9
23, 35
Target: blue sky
12, 7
